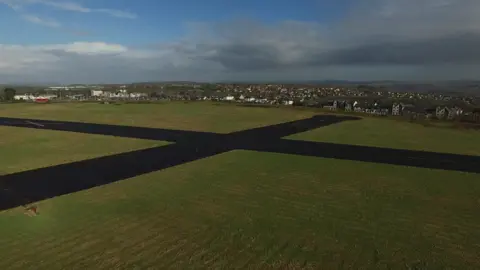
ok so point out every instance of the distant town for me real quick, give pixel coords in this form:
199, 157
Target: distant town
367, 99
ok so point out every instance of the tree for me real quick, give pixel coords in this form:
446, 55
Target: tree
9, 94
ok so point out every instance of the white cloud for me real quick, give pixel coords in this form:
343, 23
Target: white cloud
86, 61
378, 39
20, 6
93, 48
67, 6
116, 13
42, 21
72, 6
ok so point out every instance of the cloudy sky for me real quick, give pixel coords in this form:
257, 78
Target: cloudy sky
117, 41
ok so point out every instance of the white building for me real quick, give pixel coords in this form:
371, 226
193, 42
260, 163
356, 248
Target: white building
96, 93
24, 97
29, 97
138, 95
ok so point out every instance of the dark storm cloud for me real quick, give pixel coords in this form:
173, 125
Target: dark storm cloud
452, 49
245, 56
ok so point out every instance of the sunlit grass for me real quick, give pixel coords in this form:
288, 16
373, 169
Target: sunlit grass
242, 209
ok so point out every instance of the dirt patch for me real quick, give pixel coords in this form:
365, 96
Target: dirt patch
31, 211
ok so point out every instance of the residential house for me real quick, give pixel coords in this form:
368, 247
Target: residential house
413, 113
331, 105
383, 110
250, 99
453, 112
471, 115
357, 107
348, 107
432, 112
441, 112
397, 109
476, 115
335, 105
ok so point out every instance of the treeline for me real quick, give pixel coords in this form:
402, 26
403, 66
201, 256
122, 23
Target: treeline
8, 95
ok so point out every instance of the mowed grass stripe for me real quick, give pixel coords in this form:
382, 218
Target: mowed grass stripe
38, 249
123, 248
200, 238
150, 231
153, 216
76, 248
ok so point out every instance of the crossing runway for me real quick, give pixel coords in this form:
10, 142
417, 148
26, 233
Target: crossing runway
44, 183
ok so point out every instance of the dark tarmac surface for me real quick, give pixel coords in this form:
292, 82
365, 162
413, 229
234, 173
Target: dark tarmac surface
39, 184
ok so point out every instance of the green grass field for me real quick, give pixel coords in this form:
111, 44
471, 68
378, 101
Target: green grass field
243, 209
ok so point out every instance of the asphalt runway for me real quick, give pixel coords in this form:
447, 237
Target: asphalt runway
44, 183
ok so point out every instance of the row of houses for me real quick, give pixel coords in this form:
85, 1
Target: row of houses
249, 99
122, 93
439, 112
94, 94
408, 110
31, 97
355, 106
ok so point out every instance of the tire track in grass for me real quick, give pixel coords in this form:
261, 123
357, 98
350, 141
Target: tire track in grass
273, 251
97, 240
170, 234
43, 246
214, 242
201, 203
141, 255
241, 251
89, 255
143, 247
39, 255
249, 244
149, 220
67, 242
207, 246
103, 262
246, 261
157, 255
107, 229
169, 246
294, 250
207, 240
213, 260
60, 230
